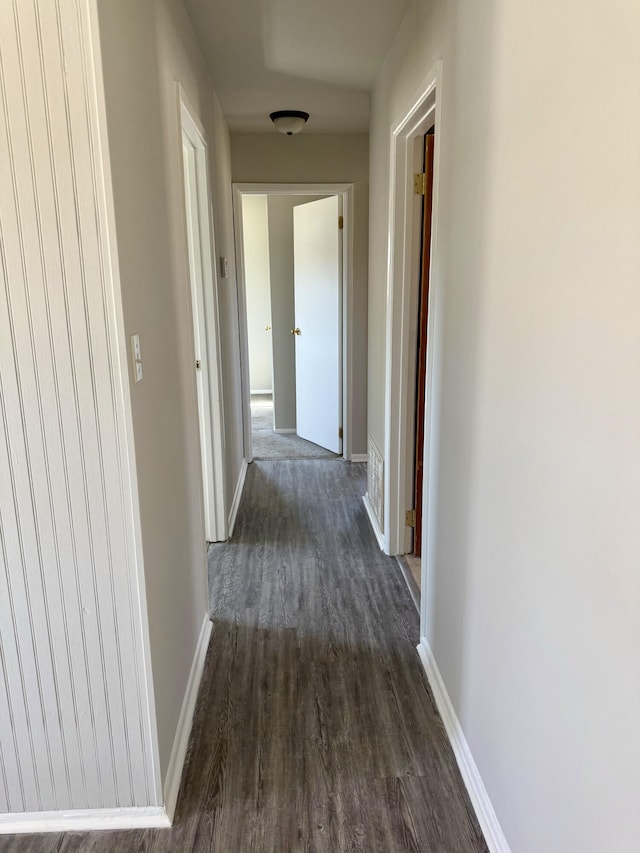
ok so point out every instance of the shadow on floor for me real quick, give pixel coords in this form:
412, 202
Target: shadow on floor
315, 730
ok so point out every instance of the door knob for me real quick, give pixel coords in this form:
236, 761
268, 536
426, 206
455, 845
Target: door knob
296, 331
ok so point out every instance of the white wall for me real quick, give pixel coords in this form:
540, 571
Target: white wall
76, 704
147, 47
534, 592
282, 303
321, 158
257, 279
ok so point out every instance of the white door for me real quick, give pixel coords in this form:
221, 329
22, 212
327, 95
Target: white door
205, 326
318, 311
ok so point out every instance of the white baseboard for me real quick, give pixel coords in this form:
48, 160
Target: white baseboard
359, 457
185, 720
478, 795
285, 431
374, 521
233, 512
136, 817
85, 820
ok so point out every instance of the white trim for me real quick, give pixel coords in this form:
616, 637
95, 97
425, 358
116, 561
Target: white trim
375, 526
185, 721
233, 512
285, 431
261, 391
402, 283
359, 457
85, 820
493, 834
205, 319
346, 193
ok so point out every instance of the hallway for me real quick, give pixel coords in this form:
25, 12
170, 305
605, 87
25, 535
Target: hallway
325, 705
315, 729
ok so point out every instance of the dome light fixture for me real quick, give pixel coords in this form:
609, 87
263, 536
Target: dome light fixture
289, 121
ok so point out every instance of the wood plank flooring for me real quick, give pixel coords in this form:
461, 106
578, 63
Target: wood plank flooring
315, 729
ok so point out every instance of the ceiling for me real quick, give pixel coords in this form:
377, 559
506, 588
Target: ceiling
320, 56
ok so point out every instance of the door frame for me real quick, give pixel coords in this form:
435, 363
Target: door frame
422, 329
206, 329
402, 287
346, 193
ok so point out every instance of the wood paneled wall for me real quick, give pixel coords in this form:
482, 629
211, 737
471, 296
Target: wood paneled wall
76, 730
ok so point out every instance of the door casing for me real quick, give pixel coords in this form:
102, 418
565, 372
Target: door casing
202, 276
419, 115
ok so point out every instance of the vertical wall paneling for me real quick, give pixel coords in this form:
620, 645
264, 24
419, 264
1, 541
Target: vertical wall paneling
75, 722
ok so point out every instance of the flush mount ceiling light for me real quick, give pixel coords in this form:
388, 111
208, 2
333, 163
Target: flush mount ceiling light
289, 121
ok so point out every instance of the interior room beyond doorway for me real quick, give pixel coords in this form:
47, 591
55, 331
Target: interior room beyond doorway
292, 263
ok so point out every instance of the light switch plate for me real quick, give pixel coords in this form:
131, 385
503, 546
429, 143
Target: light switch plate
136, 358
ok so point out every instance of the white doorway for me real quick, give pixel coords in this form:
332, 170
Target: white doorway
316, 346
405, 258
204, 307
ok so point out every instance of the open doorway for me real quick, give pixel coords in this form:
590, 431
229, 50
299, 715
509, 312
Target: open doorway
294, 261
414, 329
416, 449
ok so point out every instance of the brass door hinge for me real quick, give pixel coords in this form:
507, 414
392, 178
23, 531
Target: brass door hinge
339, 432
341, 222
419, 183
410, 518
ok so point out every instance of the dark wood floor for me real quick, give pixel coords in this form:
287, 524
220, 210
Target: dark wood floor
315, 728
